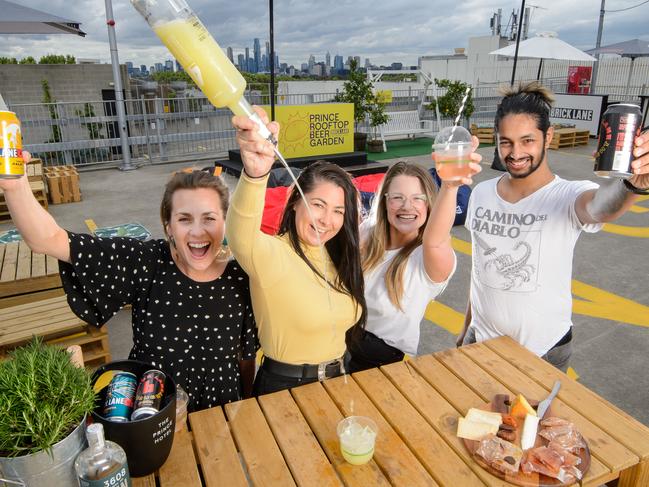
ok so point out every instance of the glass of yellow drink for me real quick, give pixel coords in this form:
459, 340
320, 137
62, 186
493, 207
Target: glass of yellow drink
452, 149
357, 436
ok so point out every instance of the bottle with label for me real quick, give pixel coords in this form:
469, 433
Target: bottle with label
103, 463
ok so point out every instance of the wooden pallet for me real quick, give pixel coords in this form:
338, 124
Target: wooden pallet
53, 320
563, 138
62, 184
34, 170
38, 188
484, 134
582, 137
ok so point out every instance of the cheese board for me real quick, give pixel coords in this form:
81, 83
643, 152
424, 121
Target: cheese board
524, 449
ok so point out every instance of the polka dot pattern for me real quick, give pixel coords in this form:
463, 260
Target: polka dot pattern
196, 331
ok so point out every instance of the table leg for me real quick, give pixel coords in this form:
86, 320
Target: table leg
638, 475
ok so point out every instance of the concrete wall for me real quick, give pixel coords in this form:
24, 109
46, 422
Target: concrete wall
68, 82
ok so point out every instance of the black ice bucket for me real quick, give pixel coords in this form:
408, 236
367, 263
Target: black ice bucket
147, 442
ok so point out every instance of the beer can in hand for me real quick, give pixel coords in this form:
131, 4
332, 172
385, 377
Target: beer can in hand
11, 146
120, 397
148, 397
617, 132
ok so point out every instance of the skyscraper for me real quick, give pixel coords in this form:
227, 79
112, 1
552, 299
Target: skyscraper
241, 62
169, 65
230, 55
338, 63
143, 69
328, 59
179, 68
257, 54
311, 62
247, 68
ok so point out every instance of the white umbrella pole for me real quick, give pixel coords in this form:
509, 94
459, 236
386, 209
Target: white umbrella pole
119, 96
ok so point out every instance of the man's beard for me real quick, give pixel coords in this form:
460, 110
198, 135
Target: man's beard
533, 166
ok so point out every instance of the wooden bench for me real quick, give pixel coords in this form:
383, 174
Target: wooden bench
405, 123
26, 277
53, 320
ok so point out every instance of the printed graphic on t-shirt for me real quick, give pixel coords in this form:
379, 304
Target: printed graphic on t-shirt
506, 250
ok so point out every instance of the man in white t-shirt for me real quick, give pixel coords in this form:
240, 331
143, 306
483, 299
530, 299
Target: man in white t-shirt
524, 226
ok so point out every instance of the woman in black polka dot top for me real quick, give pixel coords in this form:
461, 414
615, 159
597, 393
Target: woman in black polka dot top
192, 315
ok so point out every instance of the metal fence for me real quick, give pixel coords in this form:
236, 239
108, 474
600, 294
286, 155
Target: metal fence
172, 129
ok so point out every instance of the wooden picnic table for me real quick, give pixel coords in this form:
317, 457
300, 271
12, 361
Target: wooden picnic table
289, 438
25, 276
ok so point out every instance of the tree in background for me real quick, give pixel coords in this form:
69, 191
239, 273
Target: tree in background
51, 105
57, 59
450, 102
27, 60
8, 60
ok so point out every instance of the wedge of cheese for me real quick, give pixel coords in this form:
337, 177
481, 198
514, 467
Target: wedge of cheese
528, 438
472, 430
480, 416
520, 407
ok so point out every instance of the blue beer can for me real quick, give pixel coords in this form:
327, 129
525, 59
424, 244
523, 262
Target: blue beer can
120, 397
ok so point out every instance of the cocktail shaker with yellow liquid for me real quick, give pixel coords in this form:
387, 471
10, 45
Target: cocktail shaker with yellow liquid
202, 58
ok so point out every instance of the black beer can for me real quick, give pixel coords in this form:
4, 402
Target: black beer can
619, 127
148, 397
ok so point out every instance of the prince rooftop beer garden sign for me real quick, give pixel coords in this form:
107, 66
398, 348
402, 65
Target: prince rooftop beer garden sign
315, 130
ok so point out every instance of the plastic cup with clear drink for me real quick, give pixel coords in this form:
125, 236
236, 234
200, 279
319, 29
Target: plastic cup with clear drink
452, 149
357, 436
182, 400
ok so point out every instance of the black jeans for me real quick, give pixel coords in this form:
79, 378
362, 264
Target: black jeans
267, 382
370, 351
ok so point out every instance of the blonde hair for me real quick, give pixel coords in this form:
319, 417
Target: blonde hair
376, 243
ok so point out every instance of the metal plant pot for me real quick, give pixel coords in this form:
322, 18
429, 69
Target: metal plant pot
46, 468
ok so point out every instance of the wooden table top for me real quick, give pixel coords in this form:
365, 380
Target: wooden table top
289, 438
22, 271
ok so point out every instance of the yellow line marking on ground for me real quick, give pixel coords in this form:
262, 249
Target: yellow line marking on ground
90, 223
445, 316
641, 232
572, 373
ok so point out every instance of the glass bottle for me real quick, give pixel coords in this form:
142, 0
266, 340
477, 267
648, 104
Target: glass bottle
103, 463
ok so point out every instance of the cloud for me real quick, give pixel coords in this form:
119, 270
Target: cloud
384, 31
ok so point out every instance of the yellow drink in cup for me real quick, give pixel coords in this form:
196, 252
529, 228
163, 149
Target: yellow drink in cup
203, 59
357, 435
452, 149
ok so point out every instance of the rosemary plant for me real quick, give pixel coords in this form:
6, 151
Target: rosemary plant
43, 397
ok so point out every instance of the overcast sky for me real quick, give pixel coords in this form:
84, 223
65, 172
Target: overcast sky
384, 31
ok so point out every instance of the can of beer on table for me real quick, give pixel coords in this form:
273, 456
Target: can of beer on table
120, 397
619, 127
11, 146
148, 397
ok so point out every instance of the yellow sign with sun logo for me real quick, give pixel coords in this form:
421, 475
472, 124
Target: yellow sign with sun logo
315, 130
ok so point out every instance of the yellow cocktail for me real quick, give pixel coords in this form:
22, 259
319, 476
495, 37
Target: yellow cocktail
357, 435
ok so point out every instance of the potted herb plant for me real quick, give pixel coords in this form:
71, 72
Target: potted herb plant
359, 91
44, 400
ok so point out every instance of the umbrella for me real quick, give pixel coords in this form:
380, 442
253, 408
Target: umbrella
17, 19
631, 49
545, 45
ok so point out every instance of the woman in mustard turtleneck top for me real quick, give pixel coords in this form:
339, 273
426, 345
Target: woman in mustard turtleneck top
304, 299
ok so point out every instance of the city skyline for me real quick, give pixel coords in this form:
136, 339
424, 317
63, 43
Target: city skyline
384, 32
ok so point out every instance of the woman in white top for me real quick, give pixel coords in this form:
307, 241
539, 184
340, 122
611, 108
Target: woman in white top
407, 261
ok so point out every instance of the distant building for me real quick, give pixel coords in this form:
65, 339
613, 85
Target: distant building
311, 63
257, 54
143, 70
396, 66
328, 59
267, 65
169, 65
241, 62
129, 68
358, 61
248, 67
230, 55
305, 67
338, 63
159, 68
179, 67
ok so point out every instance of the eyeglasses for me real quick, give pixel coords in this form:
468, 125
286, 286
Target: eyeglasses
397, 200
